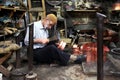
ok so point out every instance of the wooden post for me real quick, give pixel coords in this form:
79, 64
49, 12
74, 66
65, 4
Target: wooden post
44, 10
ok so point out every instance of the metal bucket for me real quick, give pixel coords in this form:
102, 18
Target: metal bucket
114, 57
115, 52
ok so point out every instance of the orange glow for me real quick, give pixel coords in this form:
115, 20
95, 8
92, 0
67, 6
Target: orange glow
116, 6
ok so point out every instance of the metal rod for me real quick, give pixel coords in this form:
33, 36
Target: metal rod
100, 19
30, 47
18, 59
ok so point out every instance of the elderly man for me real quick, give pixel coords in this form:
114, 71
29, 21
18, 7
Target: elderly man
44, 53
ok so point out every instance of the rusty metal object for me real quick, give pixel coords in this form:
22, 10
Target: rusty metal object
116, 62
30, 47
100, 21
19, 73
107, 34
115, 53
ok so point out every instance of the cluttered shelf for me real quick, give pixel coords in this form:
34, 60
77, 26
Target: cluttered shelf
10, 8
12, 27
11, 20
12, 12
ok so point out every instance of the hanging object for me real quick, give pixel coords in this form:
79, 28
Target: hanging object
54, 2
57, 6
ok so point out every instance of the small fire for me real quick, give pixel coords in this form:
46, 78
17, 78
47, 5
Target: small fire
116, 6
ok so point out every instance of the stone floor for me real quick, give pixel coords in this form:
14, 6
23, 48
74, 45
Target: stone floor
48, 72
70, 72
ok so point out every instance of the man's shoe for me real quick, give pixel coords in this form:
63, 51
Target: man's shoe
80, 59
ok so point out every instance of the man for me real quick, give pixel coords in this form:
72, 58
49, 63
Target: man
44, 53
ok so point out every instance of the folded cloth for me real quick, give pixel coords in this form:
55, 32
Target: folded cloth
5, 42
6, 48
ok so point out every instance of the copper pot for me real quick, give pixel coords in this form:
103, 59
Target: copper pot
105, 33
90, 49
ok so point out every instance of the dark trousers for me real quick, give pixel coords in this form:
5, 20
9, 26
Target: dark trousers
50, 54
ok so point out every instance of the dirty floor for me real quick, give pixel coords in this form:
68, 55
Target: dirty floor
48, 72
70, 72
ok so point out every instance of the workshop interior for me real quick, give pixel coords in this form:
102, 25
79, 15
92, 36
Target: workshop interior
90, 27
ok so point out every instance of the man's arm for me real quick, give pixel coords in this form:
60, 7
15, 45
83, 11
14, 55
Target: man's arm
41, 41
26, 39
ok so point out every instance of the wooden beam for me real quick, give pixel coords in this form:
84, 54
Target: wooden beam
5, 57
44, 9
4, 71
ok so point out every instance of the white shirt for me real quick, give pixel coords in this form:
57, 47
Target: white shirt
39, 32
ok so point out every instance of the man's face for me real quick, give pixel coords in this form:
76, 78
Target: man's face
48, 24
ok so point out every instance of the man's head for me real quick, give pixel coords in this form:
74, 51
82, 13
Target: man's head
50, 21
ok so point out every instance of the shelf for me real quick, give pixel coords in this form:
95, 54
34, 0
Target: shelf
115, 23
115, 10
19, 30
12, 12
36, 9
82, 11
13, 9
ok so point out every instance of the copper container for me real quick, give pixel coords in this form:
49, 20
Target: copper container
90, 49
